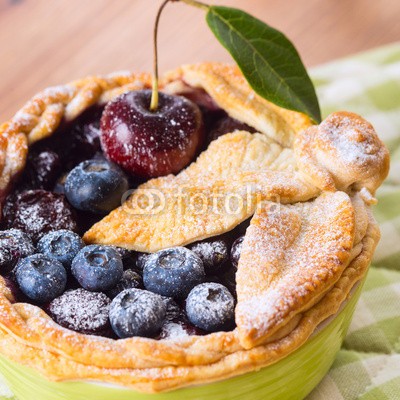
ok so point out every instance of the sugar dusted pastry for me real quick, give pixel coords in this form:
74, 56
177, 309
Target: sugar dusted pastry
304, 192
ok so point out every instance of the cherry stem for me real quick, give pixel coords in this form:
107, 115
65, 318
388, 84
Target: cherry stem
154, 93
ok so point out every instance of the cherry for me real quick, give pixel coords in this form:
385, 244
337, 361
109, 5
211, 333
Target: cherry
200, 97
227, 125
150, 143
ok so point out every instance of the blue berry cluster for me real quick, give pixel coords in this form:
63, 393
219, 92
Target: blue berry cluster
106, 290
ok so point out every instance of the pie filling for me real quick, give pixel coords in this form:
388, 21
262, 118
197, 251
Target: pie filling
104, 290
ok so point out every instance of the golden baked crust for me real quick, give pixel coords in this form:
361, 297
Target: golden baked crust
229, 89
343, 152
293, 179
192, 205
293, 252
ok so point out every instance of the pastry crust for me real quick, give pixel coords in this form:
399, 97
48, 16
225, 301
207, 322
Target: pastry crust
291, 256
178, 210
289, 164
31, 338
343, 152
229, 89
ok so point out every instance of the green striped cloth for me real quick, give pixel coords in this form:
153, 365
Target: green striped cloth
368, 366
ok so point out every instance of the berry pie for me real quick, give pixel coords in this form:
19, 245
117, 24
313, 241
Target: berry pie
159, 249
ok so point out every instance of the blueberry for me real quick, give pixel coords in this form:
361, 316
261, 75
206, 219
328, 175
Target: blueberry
213, 253
174, 311
236, 250
62, 245
40, 277
173, 272
141, 261
210, 306
128, 257
97, 268
176, 324
228, 279
130, 280
136, 312
96, 186
82, 311
14, 244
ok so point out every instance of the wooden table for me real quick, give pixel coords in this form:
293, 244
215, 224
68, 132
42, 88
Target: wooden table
45, 42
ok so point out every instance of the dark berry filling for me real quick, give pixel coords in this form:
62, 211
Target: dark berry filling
37, 212
82, 311
68, 184
176, 324
97, 275
236, 250
42, 169
213, 253
14, 244
140, 261
130, 280
75, 141
129, 258
227, 125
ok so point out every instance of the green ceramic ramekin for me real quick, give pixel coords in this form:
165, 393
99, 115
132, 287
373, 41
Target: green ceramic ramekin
292, 378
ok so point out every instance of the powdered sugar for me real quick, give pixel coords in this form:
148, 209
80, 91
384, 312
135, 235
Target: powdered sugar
213, 253
174, 331
81, 311
14, 244
353, 139
290, 256
37, 212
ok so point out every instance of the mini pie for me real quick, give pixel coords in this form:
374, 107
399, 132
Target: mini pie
307, 190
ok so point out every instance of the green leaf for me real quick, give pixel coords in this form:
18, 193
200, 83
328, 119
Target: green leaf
268, 60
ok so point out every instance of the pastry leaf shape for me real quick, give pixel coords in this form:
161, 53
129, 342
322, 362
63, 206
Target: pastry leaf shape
212, 196
291, 256
267, 58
